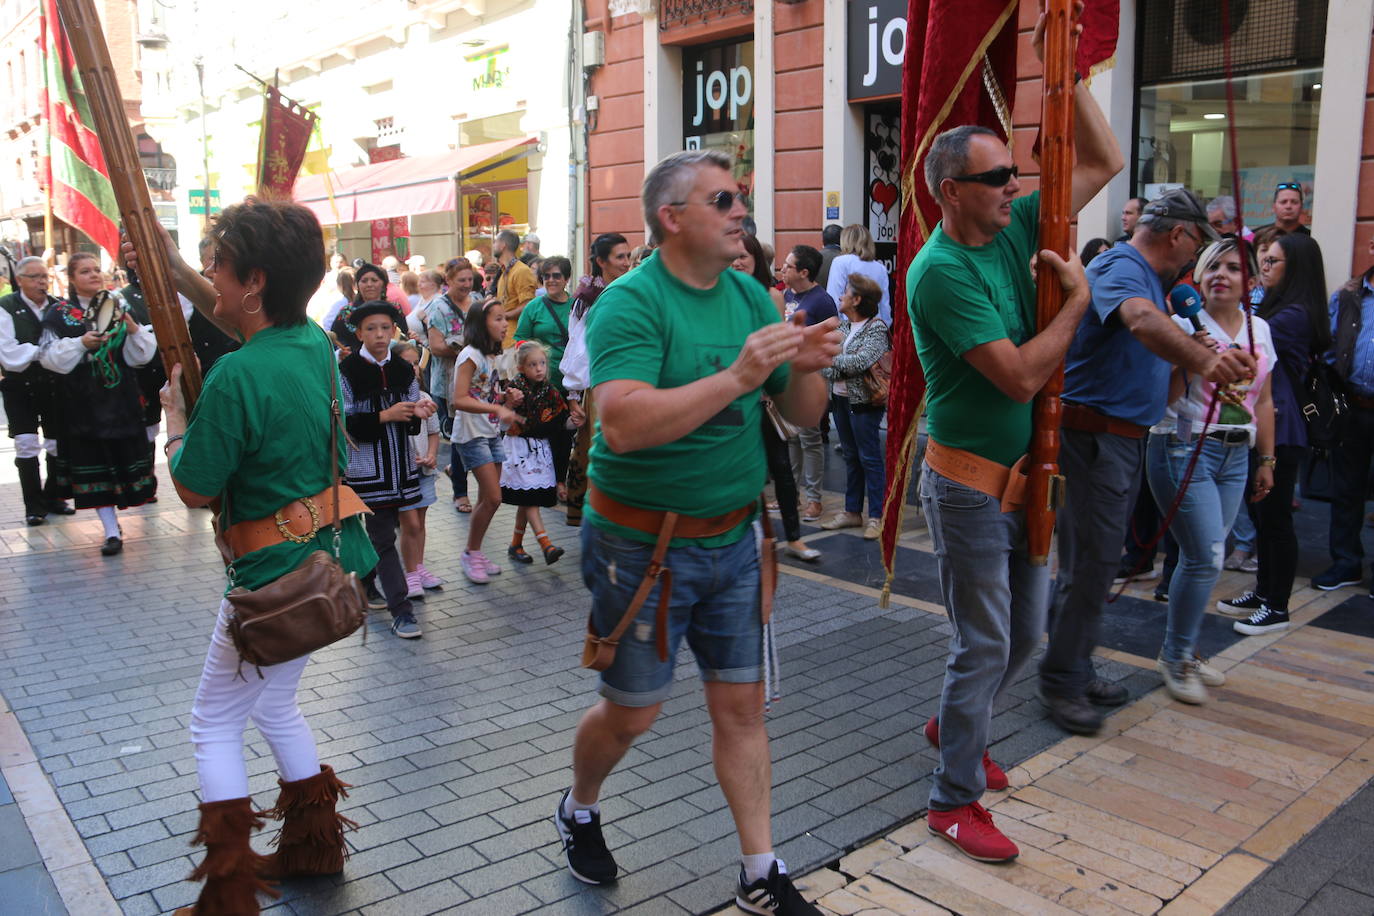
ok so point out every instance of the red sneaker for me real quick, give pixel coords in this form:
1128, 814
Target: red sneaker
995, 776
971, 830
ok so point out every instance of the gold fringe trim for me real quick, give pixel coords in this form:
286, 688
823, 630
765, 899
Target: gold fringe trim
1099, 67
902, 481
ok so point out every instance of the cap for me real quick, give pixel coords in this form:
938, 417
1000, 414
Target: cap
416, 262
531, 238
1180, 204
375, 307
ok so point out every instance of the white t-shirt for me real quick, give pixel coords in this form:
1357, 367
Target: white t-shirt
419, 443
469, 426
1197, 392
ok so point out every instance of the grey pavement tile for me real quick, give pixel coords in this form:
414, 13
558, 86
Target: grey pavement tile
18, 848
30, 889
1334, 899
509, 902
344, 898
432, 898
432, 868
510, 872
1261, 899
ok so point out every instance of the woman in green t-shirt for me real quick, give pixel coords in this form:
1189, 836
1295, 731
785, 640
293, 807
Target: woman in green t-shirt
259, 440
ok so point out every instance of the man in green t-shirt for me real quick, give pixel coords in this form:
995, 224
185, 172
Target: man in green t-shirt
971, 299
681, 348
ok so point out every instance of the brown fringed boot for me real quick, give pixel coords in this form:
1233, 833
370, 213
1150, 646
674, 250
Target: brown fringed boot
311, 839
231, 868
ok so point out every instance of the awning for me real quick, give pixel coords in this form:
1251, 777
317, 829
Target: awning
401, 187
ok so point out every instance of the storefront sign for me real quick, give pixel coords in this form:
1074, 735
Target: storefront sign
718, 103
882, 187
489, 68
876, 45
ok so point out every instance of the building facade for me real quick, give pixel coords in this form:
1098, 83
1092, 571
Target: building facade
440, 121
806, 94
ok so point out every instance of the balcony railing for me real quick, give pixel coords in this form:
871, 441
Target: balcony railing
161, 179
676, 12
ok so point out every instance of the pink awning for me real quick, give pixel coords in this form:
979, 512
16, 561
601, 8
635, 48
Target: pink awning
401, 187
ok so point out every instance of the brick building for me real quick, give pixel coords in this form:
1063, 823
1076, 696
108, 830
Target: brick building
807, 91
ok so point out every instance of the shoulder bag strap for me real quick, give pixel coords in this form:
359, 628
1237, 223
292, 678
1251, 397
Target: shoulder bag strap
332, 380
562, 328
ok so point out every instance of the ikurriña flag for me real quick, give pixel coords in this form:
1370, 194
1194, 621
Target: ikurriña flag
960, 68
74, 169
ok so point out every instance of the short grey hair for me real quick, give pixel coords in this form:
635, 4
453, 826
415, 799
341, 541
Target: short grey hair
25, 262
948, 156
509, 240
1225, 205
671, 181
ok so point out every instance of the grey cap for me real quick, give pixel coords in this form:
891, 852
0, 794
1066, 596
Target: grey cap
1180, 204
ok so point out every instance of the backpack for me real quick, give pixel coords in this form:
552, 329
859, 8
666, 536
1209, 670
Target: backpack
1321, 398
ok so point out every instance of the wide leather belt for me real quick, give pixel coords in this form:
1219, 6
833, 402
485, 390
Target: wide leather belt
1005, 484
650, 521
297, 521
1086, 420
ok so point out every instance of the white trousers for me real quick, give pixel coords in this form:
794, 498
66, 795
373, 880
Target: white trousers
224, 704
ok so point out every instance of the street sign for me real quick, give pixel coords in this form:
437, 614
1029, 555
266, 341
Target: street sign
196, 196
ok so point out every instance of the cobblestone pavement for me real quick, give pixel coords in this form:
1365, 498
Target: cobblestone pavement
458, 744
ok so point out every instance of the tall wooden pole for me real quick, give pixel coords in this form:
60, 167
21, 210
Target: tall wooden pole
1044, 485
136, 213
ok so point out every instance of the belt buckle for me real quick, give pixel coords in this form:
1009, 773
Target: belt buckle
290, 535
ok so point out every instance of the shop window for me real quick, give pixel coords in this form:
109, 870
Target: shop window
1183, 129
718, 105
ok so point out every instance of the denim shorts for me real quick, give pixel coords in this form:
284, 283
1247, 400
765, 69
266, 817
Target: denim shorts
427, 495
482, 450
714, 603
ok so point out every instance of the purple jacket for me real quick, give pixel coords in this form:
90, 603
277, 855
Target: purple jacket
1292, 332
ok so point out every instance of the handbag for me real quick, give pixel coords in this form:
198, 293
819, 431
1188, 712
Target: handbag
878, 378
781, 425
313, 606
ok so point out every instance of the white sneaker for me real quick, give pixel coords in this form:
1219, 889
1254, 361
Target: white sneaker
1211, 677
1182, 681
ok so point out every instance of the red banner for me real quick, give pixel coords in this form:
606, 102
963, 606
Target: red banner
286, 130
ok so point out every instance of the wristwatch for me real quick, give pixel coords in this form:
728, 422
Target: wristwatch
1267, 461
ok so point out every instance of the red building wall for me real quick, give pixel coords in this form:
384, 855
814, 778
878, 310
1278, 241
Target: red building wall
615, 147
1364, 210
798, 48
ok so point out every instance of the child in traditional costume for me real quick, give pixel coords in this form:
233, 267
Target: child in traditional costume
527, 478
424, 447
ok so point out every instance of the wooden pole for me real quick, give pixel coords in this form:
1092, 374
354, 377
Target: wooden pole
1044, 485
136, 212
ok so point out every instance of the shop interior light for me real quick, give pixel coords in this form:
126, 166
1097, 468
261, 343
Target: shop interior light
1316, 85
1214, 116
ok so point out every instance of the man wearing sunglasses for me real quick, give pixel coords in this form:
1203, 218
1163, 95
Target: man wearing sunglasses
971, 297
1116, 386
680, 350
29, 390
1288, 204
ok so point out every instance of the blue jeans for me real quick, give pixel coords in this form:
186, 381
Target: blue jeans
1204, 517
861, 446
714, 603
997, 603
1244, 532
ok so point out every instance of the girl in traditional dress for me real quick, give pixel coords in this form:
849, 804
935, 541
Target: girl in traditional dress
527, 477
94, 344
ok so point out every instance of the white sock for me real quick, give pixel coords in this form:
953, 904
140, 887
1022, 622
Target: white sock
571, 806
758, 866
110, 520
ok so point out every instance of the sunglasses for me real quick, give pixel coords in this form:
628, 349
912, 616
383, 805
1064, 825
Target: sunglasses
993, 178
1287, 186
723, 201
553, 275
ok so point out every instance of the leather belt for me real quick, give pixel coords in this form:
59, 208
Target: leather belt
1086, 420
1005, 484
1364, 402
650, 521
298, 521
1230, 436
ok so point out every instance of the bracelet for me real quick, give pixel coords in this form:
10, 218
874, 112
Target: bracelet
166, 446
1267, 461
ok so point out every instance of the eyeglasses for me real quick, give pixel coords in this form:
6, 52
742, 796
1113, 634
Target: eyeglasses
1270, 262
993, 178
723, 201
33, 276
1287, 186
553, 275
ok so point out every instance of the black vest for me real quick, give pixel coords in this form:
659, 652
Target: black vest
28, 328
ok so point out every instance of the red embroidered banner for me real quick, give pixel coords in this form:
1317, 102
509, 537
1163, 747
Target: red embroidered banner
286, 130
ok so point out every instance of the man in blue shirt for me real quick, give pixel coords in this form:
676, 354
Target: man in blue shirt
1116, 385
1352, 330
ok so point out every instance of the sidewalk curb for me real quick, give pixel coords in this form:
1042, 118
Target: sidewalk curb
65, 856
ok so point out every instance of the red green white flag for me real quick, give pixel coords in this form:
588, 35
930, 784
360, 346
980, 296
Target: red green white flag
74, 169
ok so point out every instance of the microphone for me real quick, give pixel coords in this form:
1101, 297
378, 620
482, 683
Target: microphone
1186, 302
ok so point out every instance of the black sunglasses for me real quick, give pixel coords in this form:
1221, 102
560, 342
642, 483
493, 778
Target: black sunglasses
993, 178
553, 275
721, 200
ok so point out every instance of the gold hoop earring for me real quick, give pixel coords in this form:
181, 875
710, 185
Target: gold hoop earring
245, 299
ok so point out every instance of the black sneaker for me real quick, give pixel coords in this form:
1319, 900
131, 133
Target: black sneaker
1242, 605
1335, 578
1073, 714
1107, 693
773, 894
588, 858
1128, 573
1265, 620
